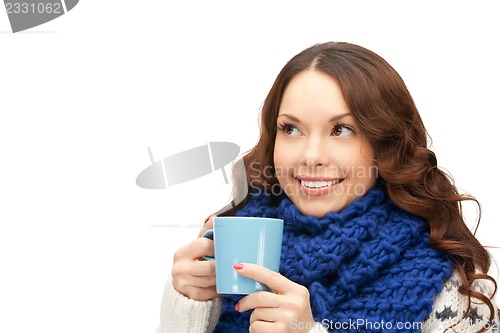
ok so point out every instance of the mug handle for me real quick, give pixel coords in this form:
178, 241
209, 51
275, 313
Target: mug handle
210, 235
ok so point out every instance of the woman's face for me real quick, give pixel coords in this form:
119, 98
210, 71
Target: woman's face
322, 160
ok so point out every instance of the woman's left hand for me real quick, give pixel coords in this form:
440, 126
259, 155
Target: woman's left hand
288, 310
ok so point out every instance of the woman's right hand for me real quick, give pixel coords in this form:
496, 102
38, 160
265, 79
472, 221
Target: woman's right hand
194, 277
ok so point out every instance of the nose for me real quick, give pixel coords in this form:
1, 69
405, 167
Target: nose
314, 153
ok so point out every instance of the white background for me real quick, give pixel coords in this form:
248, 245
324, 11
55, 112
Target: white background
83, 96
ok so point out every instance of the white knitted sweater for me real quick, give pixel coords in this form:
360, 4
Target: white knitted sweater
180, 314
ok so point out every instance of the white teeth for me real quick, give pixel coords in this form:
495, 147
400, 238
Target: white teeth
318, 183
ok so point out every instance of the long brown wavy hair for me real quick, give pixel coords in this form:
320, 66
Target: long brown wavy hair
386, 114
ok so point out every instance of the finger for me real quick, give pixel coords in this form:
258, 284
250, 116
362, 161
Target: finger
193, 268
200, 294
183, 278
272, 279
188, 281
208, 247
264, 314
261, 299
203, 268
198, 248
262, 327
202, 282
208, 225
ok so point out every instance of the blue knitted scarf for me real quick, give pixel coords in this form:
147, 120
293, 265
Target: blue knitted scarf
368, 268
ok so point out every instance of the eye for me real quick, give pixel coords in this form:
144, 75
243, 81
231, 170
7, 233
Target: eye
342, 130
289, 129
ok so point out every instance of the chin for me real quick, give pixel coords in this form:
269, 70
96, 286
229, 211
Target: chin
317, 209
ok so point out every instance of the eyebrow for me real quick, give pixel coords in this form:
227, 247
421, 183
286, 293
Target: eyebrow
336, 118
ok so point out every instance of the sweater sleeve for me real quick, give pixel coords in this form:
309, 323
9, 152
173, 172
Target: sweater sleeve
450, 306
181, 314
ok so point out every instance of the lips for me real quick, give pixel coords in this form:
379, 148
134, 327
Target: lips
318, 186
320, 183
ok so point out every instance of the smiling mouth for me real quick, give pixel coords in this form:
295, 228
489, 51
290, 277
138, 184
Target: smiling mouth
319, 184
318, 187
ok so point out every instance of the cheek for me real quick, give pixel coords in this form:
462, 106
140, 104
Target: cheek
280, 155
357, 164
283, 160
279, 159
366, 173
367, 153
364, 157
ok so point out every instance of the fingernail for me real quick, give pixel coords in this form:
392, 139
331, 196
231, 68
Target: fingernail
237, 307
238, 266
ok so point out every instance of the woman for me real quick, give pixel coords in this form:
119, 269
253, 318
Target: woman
374, 238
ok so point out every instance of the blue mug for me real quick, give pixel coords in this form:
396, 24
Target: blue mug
255, 240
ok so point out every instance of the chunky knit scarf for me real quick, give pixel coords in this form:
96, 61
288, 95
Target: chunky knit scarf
368, 268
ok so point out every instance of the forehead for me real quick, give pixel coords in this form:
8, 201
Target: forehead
312, 92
